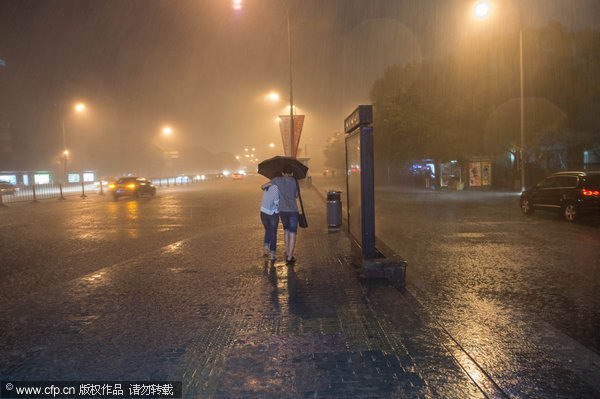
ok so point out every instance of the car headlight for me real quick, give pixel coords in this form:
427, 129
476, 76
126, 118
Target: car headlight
131, 185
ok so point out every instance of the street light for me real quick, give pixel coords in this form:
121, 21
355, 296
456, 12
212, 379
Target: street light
167, 131
79, 108
65, 158
272, 96
237, 5
481, 10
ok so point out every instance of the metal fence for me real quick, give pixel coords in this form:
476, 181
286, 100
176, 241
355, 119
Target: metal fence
35, 192
173, 181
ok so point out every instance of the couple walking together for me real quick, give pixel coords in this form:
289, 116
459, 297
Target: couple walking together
279, 202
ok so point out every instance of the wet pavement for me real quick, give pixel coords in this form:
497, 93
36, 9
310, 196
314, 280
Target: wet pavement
175, 288
520, 294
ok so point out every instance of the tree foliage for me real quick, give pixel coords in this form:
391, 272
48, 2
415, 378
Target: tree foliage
468, 102
335, 152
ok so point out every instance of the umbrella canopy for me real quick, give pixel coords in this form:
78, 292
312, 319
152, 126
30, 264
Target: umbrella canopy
270, 167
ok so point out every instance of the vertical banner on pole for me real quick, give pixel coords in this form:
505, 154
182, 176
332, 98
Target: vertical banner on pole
284, 128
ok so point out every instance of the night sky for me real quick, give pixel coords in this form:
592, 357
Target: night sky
204, 68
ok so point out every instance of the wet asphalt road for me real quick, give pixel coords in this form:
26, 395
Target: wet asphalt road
92, 289
477, 250
519, 294
48, 243
175, 288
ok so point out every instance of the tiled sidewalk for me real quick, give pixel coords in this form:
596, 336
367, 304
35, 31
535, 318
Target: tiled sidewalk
209, 311
316, 330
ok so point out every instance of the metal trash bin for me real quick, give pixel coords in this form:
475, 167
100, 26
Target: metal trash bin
334, 210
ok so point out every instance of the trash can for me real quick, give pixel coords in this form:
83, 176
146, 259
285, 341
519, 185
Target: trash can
334, 210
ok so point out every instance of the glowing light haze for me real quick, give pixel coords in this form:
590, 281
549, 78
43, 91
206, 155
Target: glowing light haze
206, 68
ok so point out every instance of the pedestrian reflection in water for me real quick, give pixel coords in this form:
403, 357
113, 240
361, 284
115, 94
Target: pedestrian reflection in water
284, 282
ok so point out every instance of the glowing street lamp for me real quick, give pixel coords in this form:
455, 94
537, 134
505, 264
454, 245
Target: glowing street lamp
237, 5
482, 10
167, 131
272, 145
272, 96
79, 108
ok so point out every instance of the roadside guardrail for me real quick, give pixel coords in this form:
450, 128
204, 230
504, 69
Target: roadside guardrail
36, 192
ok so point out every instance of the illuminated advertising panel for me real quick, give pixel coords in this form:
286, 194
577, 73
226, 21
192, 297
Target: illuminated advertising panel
486, 173
88, 176
73, 178
480, 173
475, 174
9, 178
353, 170
41, 178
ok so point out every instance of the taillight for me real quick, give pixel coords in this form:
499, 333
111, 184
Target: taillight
590, 193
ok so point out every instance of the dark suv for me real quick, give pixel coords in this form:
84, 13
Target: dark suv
570, 193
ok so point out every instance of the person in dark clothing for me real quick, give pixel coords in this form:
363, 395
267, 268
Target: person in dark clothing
288, 209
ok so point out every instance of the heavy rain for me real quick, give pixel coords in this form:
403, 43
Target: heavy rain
300, 198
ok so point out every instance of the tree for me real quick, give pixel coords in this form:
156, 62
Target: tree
335, 152
467, 103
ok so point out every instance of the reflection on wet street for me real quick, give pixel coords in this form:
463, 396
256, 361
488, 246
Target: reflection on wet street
283, 279
518, 293
175, 287
189, 297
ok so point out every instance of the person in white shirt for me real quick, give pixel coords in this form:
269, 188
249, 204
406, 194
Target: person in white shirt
269, 215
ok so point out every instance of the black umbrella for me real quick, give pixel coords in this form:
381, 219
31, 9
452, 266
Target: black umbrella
269, 168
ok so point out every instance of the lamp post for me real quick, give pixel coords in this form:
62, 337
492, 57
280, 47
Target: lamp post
237, 5
522, 106
65, 157
79, 108
482, 10
169, 148
289, 29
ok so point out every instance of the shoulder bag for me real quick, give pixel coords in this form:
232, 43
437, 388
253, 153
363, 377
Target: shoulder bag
302, 222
